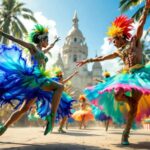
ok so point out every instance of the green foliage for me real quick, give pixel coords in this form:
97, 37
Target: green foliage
10, 13
126, 5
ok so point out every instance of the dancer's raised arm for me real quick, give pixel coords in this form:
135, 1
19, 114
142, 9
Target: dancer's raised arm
143, 20
100, 58
46, 50
68, 78
27, 45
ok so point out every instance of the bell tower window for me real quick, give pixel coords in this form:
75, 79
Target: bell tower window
74, 58
75, 40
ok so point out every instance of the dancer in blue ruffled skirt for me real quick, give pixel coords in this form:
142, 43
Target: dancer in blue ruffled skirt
27, 83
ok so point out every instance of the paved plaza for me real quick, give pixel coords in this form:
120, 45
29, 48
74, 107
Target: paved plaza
90, 139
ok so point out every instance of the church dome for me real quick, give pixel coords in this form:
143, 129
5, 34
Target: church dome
75, 32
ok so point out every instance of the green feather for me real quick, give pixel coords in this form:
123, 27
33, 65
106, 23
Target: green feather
38, 28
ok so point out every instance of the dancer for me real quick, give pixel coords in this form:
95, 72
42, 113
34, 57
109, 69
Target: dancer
70, 120
26, 83
64, 108
84, 114
133, 84
99, 115
59, 75
33, 116
97, 109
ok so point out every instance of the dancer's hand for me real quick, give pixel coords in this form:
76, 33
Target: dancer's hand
147, 5
76, 72
57, 39
81, 63
98, 80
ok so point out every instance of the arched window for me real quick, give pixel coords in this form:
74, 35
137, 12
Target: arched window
75, 39
74, 58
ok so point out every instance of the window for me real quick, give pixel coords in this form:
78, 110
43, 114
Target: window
74, 58
75, 39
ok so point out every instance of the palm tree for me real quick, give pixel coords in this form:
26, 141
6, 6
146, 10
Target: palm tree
127, 4
10, 11
146, 48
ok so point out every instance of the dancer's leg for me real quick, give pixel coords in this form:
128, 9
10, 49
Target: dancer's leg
17, 115
120, 96
82, 122
58, 89
67, 123
133, 104
107, 124
62, 123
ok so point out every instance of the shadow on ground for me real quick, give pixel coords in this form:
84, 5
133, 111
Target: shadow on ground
76, 134
140, 145
132, 133
54, 146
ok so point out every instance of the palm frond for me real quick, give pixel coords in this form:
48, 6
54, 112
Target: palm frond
17, 31
10, 4
29, 17
9, 21
18, 7
138, 13
7, 30
22, 27
127, 4
26, 10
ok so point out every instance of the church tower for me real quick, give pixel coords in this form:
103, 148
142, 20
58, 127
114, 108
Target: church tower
74, 48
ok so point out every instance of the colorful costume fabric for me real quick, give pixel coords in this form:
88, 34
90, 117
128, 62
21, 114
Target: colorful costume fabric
64, 108
138, 78
33, 117
99, 115
85, 113
70, 119
23, 82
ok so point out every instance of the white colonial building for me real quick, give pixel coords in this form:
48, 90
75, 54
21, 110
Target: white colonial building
73, 50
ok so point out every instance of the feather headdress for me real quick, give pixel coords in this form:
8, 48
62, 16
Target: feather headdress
57, 71
106, 74
39, 31
82, 97
121, 26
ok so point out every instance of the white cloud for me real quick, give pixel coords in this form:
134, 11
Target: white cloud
135, 26
107, 47
51, 24
111, 66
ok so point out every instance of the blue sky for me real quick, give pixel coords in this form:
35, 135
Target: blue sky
94, 17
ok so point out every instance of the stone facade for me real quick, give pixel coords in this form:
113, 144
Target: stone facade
75, 49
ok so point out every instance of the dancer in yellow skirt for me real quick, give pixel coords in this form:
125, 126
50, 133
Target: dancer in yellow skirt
84, 114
